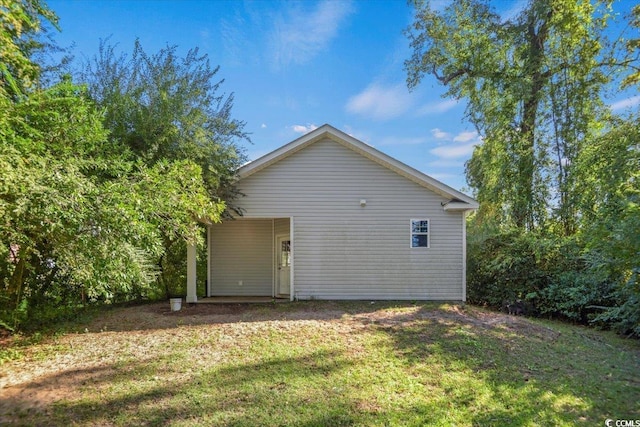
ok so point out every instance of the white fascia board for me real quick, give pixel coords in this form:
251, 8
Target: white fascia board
460, 206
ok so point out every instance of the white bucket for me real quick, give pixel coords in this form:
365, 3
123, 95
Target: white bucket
176, 304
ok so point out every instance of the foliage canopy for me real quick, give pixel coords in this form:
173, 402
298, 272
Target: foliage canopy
556, 173
97, 187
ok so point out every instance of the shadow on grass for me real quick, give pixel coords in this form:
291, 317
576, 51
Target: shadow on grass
439, 365
521, 372
274, 391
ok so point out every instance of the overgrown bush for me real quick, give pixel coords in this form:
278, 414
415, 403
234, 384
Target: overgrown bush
624, 315
502, 268
575, 295
552, 276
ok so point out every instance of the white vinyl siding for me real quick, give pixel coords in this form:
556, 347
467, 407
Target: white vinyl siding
281, 226
342, 250
241, 258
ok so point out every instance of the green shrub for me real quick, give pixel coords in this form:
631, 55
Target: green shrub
575, 295
552, 276
624, 315
505, 267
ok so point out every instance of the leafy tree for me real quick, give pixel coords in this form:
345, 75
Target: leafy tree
81, 220
556, 174
168, 108
532, 85
633, 47
610, 197
86, 217
20, 20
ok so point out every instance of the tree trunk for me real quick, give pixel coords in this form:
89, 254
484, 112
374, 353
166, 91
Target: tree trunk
524, 206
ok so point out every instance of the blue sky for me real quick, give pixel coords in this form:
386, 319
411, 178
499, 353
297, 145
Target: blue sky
293, 66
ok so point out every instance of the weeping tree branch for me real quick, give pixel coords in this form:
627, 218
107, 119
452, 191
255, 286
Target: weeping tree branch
446, 79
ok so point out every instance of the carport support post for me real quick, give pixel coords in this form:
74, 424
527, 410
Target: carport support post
191, 274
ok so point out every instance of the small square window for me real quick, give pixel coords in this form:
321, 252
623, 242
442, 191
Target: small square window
419, 233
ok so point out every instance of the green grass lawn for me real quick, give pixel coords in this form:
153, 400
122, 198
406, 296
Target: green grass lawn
319, 364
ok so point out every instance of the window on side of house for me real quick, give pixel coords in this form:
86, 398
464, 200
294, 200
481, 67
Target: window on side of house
419, 233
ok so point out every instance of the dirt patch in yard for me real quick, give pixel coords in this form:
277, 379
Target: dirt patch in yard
60, 367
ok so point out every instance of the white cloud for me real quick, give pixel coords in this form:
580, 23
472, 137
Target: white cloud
460, 146
626, 103
437, 107
300, 35
453, 151
381, 102
263, 126
304, 129
439, 134
465, 136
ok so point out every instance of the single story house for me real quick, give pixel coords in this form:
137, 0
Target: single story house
330, 217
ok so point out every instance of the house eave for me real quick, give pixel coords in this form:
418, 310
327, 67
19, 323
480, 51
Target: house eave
457, 206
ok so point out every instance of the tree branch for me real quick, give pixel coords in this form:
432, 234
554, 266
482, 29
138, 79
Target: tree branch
446, 79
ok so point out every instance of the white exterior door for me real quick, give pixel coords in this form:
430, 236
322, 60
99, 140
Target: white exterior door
283, 265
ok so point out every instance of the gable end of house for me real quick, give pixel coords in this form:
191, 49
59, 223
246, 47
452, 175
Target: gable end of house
458, 201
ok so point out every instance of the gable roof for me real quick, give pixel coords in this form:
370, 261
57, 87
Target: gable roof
459, 201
